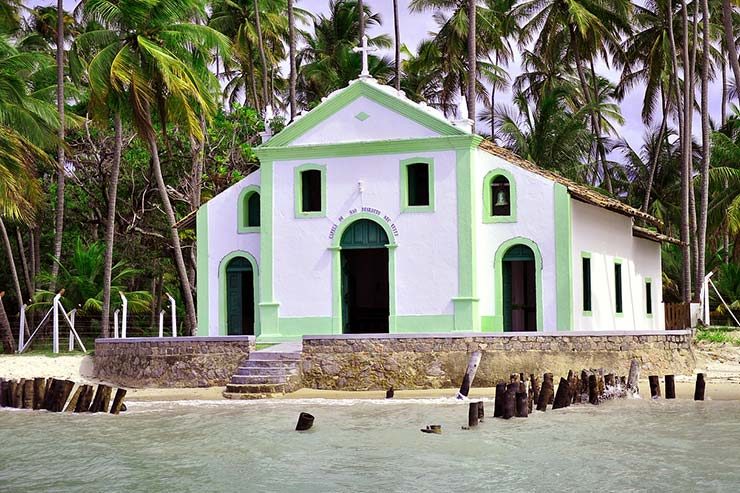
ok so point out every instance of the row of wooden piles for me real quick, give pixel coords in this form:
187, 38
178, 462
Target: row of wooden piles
670, 387
53, 395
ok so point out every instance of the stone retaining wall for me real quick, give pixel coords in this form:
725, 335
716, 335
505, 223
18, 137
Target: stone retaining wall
170, 362
415, 361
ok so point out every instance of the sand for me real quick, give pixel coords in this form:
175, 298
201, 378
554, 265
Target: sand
719, 362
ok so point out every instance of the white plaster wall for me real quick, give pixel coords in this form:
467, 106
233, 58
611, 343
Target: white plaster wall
607, 235
535, 221
383, 124
224, 239
426, 257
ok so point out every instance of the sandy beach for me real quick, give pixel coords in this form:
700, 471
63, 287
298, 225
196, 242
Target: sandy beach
719, 362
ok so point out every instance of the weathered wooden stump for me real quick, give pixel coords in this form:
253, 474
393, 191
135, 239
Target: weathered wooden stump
472, 414
14, 401
27, 394
389, 393
117, 405
498, 403
305, 422
562, 399
51, 388
609, 380
59, 399
700, 387
670, 387
481, 411
634, 377
85, 399
101, 400
39, 389
2, 392
522, 406
593, 389
72, 404
654, 381
546, 392
510, 402
531, 397
470, 371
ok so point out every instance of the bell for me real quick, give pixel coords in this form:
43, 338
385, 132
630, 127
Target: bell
501, 199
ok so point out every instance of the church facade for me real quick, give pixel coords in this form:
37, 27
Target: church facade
372, 213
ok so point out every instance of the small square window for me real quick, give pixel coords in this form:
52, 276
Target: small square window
417, 175
311, 190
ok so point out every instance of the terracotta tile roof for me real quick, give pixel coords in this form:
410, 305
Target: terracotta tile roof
578, 191
649, 234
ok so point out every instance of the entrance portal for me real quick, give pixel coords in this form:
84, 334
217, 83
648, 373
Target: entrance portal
365, 287
519, 289
239, 297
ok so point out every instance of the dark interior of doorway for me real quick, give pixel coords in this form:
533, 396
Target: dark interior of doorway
520, 296
365, 290
240, 302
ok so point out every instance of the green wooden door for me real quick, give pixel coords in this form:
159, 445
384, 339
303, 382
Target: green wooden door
364, 233
235, 296
518, 276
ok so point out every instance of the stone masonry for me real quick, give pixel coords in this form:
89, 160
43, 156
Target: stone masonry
406, 361
170, 362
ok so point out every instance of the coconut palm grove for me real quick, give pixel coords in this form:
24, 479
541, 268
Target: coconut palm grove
119, 118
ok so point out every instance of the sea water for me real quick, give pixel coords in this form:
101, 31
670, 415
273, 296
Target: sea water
373, 446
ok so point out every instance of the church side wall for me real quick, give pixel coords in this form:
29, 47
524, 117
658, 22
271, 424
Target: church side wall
223, 240
425, 256
535, 221
606, 237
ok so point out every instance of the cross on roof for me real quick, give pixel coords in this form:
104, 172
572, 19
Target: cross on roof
364, 49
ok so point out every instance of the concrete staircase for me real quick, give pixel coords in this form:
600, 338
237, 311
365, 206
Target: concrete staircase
270, 371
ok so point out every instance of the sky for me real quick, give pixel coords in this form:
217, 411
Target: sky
417, 26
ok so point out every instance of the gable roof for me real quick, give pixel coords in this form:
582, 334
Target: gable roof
578, 191
379, 93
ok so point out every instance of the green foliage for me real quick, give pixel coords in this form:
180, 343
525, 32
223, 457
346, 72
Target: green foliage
719, 336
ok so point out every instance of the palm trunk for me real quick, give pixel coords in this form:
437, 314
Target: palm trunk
656, 156
59, 221
24, 262
472, 62
6, 333
110, 225
291, 55
261, 47
397, 30
730, 40
11, 262
723, 109
599, 143
685, 160
252, 79
187, 294
361, 14
705, 136
726, 227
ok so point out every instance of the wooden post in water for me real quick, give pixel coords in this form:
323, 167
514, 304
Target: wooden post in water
389, 393
85, 399
593, 389
72, 404
634, 377
28, 394
469, 375
305, 422
118, 401
510, 401
546, 392
700, 387
654, 386
473, 414
481, 411
670, 387
522, 406
64, 388
498, 404
39, 387
562, 399
2, 392
14, 401
609, 380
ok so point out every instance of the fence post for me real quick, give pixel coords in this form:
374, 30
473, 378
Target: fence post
115, 323
174, 315
71, 330
125, 313
161, 323
22, 333
55, 324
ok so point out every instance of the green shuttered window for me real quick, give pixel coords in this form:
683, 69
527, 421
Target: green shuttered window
649, 297
311, 190
418, 184
586, 266
618, 287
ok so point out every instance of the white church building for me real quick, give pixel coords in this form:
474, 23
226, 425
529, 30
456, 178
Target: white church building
372, 213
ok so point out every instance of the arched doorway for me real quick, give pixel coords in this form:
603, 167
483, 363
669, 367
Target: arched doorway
240, 282
519, 289
364, 276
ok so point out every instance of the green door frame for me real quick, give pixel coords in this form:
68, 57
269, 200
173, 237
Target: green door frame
498, 274
222, 302
336, 262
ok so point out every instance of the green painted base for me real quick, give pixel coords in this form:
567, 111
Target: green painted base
466, 314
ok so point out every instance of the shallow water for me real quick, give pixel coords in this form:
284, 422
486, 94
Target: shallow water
626, 445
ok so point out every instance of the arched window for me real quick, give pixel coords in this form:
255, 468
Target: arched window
499, 197
249, 210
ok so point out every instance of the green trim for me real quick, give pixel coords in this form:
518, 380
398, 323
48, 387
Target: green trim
488, 216
652, 307
466, 303
202, 278
241, 221
498, 279
368, 148
299, 326
298, 190
563, 258
587, 313
268, 307
488, 323
222, 329
362, 116
424, 323
354, 91
336, 267
405, 207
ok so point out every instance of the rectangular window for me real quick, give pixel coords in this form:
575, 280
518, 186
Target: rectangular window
586, 284
649, 297
618, 287
418, 184
311, 190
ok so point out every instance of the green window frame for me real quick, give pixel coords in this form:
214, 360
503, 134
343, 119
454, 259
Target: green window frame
410, 167
248, 220
618, 287
649, 297
586, 273
491, 183
300, 198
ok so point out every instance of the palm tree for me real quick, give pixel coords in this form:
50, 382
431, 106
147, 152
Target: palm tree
472, 61
292, 61
261, 46
397, 43
727, 11
157, 60
61, 171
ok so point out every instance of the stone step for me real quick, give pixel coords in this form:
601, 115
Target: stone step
269, 388
267, 370
259, 379
274, 356
269, 363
